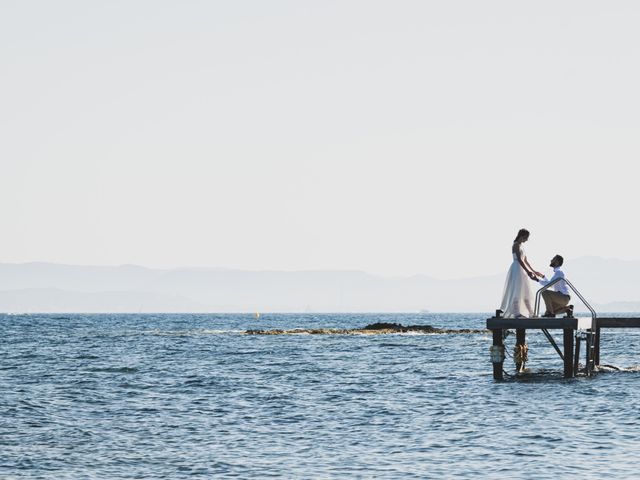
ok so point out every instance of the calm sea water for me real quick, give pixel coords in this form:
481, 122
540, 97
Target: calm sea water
189, 396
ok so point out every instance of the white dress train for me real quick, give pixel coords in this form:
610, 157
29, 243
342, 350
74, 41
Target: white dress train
518, 297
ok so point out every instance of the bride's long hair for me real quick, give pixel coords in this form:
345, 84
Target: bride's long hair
522, 233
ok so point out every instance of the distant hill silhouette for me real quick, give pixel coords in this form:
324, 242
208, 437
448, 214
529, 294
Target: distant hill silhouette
610, 284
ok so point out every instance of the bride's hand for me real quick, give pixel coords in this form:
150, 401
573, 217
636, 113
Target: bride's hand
539, 274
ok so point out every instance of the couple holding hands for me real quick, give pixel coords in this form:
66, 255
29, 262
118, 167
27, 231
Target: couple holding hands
518, 299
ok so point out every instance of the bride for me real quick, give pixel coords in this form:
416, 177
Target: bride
518, 297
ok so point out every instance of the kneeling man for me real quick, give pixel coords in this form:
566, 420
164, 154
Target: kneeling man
556, 301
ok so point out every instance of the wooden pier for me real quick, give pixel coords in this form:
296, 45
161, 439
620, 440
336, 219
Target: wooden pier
574, 331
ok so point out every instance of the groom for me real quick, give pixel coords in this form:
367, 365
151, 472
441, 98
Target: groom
557, 301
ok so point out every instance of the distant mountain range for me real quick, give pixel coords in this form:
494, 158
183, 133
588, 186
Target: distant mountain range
609, 284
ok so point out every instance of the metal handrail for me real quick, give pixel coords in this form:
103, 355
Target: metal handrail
575, 290
591, 337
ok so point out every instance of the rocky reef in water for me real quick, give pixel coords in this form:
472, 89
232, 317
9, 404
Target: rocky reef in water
372, 329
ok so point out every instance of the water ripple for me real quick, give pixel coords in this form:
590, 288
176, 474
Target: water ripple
188, 396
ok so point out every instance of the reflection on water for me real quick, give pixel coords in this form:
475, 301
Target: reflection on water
176, 396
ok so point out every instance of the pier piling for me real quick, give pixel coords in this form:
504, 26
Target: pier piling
576, 358
521, 341
568, 352
497, 354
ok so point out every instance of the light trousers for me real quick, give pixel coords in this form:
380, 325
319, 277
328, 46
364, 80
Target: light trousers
555, 301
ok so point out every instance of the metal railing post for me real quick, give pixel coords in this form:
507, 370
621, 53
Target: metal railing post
591, 343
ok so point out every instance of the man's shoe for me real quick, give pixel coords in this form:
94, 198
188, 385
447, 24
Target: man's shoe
569, 313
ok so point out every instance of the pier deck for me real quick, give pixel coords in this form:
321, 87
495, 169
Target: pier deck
575, 323
580, 323
574, 329
618, 322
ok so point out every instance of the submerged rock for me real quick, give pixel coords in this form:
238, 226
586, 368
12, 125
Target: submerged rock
372, 329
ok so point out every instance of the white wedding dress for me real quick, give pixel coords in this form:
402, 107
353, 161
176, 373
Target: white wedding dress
518, 298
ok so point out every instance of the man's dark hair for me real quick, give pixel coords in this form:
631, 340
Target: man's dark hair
560, 260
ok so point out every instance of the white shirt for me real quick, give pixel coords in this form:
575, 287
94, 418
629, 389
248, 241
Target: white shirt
561, 286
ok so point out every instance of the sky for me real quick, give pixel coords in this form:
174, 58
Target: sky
394, 137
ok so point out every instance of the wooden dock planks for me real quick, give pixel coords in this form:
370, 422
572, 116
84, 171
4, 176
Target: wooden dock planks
618, 322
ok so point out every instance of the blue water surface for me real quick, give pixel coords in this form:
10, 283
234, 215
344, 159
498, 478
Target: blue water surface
190, 396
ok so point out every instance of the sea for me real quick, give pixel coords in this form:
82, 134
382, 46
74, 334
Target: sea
173, 396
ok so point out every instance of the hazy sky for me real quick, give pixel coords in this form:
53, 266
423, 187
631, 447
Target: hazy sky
396, 137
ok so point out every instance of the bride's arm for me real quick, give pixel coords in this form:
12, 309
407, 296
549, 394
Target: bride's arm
538, 274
